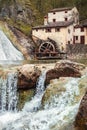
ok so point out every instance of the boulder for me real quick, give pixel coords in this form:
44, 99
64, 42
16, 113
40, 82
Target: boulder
24, 96
56, 87
68, 63
28, 76
64, 68
81, 118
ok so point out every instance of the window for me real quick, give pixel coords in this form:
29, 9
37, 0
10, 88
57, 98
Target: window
65, 19
54, 13
66, 11
82, 29
54, 20
68, 30
82, 39
57, 29
48, 30
76, 37
73, 39
68, 42
37, 30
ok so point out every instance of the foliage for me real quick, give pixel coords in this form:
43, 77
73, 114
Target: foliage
44, 6
25, 28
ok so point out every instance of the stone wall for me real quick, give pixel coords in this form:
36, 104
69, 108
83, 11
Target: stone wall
76, 49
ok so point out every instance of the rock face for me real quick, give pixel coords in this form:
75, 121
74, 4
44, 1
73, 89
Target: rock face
22, 42
64, 68
19, 10
81, 118
28, 76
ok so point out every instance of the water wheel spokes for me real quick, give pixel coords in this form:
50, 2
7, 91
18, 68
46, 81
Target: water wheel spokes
46, 48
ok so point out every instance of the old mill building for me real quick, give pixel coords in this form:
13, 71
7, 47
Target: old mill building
61, 26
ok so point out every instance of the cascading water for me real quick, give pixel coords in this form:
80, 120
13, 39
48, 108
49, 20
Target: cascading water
7, 50
8, 92
66, 98
35, 103
61, 110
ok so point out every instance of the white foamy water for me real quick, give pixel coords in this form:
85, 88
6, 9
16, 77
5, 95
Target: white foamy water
35, 103
66, 98
8, 92
60, 111
7, 50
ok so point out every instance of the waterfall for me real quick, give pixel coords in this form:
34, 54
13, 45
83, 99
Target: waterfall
67, 97
35, 103
8, 92
60, 111
7, 50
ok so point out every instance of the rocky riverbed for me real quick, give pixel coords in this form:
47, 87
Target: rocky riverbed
65, 85
28, 75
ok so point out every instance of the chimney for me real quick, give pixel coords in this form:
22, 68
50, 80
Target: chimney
45, 20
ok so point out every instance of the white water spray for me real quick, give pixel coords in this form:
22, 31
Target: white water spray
8, 92
66, 98
7, 50
61, 110
35, 103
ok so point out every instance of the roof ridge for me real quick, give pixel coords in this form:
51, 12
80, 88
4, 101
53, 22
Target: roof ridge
60, 9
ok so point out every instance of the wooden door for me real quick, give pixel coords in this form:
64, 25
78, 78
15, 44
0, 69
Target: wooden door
82, 39
73, 39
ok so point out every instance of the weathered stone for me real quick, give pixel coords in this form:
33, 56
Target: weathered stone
27, 77
25, 96
56, 87
81, 118
64, 68
68, 63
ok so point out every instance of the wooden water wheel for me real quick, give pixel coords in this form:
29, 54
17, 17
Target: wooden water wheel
46, 48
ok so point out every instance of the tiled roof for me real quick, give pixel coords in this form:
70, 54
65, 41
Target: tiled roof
78, 26
60, 9
84, 23
56, 24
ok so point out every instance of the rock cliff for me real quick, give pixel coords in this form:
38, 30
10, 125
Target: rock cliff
18, 13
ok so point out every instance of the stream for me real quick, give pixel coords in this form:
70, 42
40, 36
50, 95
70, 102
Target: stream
53, 116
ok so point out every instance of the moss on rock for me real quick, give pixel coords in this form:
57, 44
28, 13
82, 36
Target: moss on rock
25, 96
56, 87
